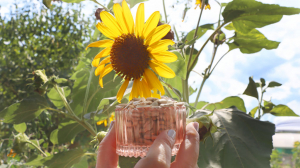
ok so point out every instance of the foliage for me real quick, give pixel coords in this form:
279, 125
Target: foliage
69, 100
276, 159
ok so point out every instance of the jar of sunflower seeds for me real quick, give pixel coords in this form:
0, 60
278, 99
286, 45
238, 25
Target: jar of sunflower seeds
139, 122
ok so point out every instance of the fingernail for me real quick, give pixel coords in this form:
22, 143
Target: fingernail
172, 133
196, 126
111, 125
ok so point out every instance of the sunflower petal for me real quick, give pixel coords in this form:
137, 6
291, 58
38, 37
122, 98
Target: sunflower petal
128, 16
105, 61
111, 23
161, 45
101, 43
122, 90
99, 70
140, 20
158, 34
119, 16
151, 24
163, 56
105, 52
134, 90
106, 31
154, 94
161, 69
145, 88
95, 62
106, 70
153, 81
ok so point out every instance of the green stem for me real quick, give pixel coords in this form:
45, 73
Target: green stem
165, 11
200, 89
218, 62
101, 5
85, 108
259, 103
38, 148
73, 115
90, 154
185, 88
192, 50
176, 34
199, 52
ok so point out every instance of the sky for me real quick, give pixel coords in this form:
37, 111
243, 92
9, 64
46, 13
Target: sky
230, 78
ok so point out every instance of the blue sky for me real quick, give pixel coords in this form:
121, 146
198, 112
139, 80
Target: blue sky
230, 78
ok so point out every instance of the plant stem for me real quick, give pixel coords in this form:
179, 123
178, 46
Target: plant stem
38, 148
85, 108
192, 49
165, 11
199, 92
259, 103
73, 115
218, 62
176, 34
194, 61
101, 5
185, 90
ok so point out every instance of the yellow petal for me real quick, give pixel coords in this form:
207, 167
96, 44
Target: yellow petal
106, 70
106, 31
102, 43
159, 33
153, 81
134, 90
154, 94
140, 20
161, 45
105, 123
105, 52
99, 70
120, 19
122, 90
161, 69
100, 122
145, 88
105, 61
163, 56
111, 23
95, 62
128, 17
151, 24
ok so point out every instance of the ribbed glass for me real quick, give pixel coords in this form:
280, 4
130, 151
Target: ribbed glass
137, 128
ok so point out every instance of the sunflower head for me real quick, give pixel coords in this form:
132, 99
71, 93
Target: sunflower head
136, 51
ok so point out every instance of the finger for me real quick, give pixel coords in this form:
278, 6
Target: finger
188, 153
107, 156
159, 154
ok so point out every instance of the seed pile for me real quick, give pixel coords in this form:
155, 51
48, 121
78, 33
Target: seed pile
144, 119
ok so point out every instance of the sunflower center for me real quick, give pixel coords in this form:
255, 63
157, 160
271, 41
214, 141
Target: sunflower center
129, 56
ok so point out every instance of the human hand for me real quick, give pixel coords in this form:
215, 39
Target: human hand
159, 154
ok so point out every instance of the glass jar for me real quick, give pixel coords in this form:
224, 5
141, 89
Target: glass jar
137, 127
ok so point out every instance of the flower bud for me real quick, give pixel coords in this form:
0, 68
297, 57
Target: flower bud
170, 34
97, 13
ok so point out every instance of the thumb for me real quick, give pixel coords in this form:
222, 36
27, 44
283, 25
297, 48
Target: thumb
160, 152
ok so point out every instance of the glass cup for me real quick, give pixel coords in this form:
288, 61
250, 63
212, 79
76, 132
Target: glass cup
137, 127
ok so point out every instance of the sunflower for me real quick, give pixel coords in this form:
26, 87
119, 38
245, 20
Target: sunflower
132, 49
111, 118
199, 3
12, 153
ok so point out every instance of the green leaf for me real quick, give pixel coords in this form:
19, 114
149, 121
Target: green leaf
56, 99
35, 160
200, 104
61, 80
110, 4
174, 86
25, 110
82, 163
132, 3
192, 90
187, 53
36, 142
178, 66
20, 127
67, 130
282, 110
201, 31
229, 27
253, 111
54, 137
128, 162
249, 14
268, 106
228, 102
239, 133
63, 159
273, 84
251, 89
47, 3
252, 42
